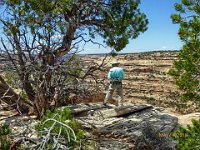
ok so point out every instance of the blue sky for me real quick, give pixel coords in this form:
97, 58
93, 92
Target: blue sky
161, 33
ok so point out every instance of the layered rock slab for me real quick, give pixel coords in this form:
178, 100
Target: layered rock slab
128, 127
131, 127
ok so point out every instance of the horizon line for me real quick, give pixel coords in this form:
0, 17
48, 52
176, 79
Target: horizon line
119, 53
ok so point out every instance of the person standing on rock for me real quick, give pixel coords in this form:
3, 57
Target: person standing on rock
115, 75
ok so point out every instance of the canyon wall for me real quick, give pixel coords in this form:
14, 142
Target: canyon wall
146, 79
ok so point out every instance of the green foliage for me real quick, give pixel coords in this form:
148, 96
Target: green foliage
189, 138
115, 21
187, 67
73, 66
23, 95
90, 145
59, 124
5, 143
11, 78
124, 23
113, 53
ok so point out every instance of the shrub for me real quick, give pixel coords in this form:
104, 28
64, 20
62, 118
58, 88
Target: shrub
189, 138
58, 129
5, 142
12, 78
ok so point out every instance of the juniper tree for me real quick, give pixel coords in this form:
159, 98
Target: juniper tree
188, 138
49, 29
186, 69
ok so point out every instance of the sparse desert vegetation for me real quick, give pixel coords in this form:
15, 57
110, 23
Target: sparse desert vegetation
146, 79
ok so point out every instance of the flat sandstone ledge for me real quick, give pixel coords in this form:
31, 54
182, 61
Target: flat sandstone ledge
127, 127
107, 111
